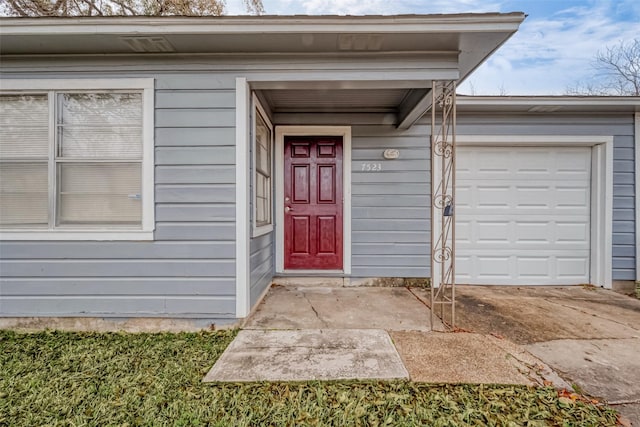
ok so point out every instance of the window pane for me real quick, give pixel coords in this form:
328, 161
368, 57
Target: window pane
24, 196
100, 125
24, 126
99, 194
263, 200
263, 146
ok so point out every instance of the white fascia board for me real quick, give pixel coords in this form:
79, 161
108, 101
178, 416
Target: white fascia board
265, 24
507, 101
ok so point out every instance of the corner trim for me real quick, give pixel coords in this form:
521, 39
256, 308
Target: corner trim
243, 226
345, 132
601, 238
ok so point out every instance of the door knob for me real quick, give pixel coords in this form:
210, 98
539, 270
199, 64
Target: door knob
287, 209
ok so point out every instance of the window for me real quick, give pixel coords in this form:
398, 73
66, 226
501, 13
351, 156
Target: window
76, 163
262, 161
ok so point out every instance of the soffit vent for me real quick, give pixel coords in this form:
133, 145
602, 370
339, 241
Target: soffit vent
544, 109
360, 42
148, 44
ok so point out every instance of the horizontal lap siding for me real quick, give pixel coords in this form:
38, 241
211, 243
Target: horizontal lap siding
189, 270
620, 126
261, 264
390, 208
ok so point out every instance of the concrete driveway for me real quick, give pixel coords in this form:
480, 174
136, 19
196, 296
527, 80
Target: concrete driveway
591, 336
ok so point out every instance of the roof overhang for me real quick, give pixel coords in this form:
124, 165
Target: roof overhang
473, 37
397, 52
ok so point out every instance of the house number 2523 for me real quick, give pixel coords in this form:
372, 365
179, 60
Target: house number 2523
371, 167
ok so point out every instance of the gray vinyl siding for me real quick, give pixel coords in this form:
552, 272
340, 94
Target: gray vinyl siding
262, 265
261, 248
620, 126
390, 209
189, 268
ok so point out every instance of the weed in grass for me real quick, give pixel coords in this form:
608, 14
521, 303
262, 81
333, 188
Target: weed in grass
86, 379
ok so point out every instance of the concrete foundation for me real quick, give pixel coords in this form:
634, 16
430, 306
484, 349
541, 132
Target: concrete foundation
96, 324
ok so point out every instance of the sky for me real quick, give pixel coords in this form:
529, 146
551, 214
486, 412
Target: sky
553, 50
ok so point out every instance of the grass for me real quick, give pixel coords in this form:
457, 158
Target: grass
91, 379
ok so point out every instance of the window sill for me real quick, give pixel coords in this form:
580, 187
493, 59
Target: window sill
261, 231
76, 235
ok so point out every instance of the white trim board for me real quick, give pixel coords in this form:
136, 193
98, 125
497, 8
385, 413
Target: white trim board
601, 188
243, 225
345, 132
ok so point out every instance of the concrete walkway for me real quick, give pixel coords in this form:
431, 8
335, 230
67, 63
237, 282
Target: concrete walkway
591, 336
310, 354
328, 332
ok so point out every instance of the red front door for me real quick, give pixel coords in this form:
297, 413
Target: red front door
313, 202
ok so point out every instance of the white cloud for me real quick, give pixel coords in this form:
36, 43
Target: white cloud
549, 54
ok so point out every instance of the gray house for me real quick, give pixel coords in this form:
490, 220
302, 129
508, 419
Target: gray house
172, 167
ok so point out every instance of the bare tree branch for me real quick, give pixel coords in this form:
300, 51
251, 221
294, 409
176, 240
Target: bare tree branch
36, 8
617, 71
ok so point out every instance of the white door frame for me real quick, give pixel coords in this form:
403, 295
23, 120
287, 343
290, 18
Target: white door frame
601, 188
345, 133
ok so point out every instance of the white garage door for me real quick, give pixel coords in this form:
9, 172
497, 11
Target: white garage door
523, 215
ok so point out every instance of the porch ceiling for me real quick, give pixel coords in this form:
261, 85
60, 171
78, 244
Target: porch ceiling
338, 101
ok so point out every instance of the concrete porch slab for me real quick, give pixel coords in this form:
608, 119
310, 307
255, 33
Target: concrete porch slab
324, 307
301, 355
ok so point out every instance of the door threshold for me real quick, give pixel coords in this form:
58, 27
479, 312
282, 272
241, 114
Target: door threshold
315, 273
323, 281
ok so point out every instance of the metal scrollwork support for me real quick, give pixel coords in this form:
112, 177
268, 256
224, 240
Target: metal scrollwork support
443, 166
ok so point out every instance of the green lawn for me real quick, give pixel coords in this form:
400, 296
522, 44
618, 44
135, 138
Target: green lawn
82, 379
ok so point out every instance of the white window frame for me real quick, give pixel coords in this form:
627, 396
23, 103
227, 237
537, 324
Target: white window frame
257, 109
146, 85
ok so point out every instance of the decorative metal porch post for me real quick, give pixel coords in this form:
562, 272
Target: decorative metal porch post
443, 232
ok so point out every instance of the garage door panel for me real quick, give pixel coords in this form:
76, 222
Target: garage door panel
532, 197
523, 215
491, 266
500, 267
572, 232
538, 232
570, 197
492, 196
572, 166
516, 233
572, 267
491, 231
463, 232
533, 267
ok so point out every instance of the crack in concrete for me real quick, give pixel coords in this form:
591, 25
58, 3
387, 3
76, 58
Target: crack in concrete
624, 402
314, 310
590, 314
